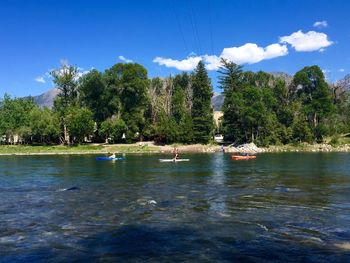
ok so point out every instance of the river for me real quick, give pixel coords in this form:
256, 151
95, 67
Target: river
283, 207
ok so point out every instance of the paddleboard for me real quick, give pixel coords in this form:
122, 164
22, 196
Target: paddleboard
104, 158
173, 160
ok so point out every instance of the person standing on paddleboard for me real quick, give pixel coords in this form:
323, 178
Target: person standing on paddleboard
176, 153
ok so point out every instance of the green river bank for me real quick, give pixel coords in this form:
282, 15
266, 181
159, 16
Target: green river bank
150, 147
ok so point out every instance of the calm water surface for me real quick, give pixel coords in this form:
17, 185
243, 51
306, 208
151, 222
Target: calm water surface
279, 207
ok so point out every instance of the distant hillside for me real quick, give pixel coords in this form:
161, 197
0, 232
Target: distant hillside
282, 75
46, 99
344, 83
217, 100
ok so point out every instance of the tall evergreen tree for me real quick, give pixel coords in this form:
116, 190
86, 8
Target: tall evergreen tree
230, 81
202, 112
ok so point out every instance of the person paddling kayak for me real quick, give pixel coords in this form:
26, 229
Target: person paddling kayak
112, 155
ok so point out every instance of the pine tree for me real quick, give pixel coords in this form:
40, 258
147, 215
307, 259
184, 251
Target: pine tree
230, 82
202, 112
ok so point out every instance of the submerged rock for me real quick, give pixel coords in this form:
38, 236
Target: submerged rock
69, 189
343, 245
152, 202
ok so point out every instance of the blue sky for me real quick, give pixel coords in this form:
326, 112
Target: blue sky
168, 36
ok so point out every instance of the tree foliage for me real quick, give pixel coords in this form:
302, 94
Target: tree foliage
79, 123
66, 80
14, 118
122, 105
202, 112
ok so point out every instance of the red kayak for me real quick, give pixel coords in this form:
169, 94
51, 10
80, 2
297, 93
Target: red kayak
243, 157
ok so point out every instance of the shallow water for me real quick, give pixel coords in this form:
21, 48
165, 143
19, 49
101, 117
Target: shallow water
279, 207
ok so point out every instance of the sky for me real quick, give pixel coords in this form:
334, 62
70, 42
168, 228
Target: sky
168, 37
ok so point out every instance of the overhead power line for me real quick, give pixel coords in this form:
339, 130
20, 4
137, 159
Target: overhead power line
194, 28
179, 26
211, 27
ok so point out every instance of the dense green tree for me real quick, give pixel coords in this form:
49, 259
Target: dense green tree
251, 106
230, 76
310, 86
113, 129
185, 128
14, 117
202, 112
44, 125
178, 99
258, 107
301, 131
80, 123
129, 83
93, 95
66, 80
166, 129
339, 122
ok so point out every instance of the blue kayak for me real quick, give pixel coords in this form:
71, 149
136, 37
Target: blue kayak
104, 158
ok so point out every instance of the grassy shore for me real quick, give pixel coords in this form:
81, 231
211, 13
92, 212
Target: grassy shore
149, 147
76, 149
141, 147
331, 144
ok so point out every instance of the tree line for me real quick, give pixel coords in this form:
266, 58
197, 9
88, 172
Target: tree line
122, 105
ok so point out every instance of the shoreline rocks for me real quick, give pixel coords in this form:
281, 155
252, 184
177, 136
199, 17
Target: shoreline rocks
251, 148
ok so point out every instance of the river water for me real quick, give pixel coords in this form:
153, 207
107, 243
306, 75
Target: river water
280, 207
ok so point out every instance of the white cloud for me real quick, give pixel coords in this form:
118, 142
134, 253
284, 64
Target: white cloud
321, 24
341, 70
247, 54
122, 58
251, 53
212, 62
307, 42
186, 64
40, 79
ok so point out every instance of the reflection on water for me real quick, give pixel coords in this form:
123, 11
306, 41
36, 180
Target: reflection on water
279, 207
216, 181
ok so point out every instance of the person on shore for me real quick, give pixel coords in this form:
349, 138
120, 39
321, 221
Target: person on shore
176, 154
